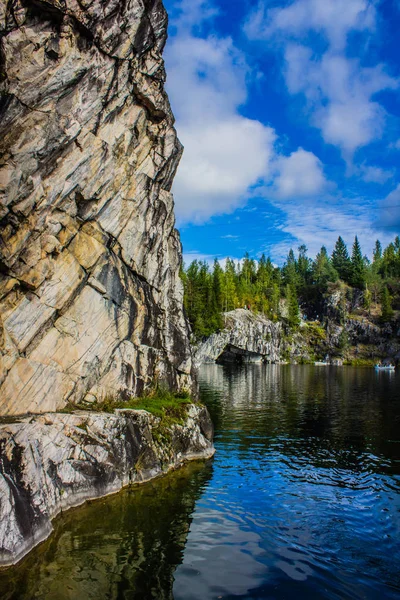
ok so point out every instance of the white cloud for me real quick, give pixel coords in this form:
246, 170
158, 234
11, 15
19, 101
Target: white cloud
221, 161
333, 18
299, 175
339, 91
192, 13
375, 174
189, 257
317, 225
225, 153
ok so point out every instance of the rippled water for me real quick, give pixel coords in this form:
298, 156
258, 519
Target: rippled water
302, 500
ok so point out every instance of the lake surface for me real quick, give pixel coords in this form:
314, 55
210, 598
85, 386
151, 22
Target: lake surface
302, 500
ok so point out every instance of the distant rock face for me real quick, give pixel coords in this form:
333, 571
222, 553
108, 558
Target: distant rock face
246, 337
251, 338
54, 461
90, 295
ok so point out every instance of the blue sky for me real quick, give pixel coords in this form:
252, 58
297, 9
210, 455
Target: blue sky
290, 117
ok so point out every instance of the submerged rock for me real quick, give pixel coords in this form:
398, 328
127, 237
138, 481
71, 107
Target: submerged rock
90, 295
51, 462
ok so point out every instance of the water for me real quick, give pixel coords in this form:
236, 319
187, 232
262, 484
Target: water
302, 500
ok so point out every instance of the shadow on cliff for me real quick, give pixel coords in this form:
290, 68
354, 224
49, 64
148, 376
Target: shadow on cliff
124, 546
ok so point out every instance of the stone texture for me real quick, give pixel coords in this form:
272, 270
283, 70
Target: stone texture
246, 337
51, 462
90, 295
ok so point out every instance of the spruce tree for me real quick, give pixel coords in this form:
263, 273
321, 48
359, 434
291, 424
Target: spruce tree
357, 278
341, 260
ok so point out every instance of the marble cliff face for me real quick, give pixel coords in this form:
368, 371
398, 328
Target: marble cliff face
90, 295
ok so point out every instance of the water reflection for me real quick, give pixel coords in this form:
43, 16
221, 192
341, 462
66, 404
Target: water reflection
304, 500
301, 501
125, 546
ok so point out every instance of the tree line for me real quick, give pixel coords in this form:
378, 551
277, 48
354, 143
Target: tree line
260, 286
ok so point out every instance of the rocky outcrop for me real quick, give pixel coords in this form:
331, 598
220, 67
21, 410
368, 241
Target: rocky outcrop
246, 337
54, 461
90, 295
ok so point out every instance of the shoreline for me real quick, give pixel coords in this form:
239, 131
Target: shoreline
54, 462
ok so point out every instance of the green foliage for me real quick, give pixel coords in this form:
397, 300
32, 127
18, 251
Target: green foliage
170, 407
260, 286
341, 260
323, 271
344, 341
360, 362
292, 307
358, 267
387, 310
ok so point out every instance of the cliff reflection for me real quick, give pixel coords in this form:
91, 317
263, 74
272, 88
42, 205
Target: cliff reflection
125, 546
301, 406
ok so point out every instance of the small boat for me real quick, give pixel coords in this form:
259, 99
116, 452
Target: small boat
384, 368
320, 363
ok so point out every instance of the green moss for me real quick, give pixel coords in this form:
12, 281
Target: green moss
314, 333
360, 362
170, 407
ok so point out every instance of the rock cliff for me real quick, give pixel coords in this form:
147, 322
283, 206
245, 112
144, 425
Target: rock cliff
247, 337
54, 461
90, 296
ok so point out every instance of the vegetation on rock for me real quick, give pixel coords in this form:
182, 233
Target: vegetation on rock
301, 284
170, 407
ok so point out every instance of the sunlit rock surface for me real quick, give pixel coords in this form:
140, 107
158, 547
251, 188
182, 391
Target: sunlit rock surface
250, 338
54, 461
90, 296
246, 337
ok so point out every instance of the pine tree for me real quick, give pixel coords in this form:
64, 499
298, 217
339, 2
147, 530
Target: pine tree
341, 260
357, 278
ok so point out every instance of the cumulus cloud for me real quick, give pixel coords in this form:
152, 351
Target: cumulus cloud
372, 174
340, 93
320, 225
299, 175
225, 153
334, 18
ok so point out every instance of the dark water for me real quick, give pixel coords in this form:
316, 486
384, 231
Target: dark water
302, 501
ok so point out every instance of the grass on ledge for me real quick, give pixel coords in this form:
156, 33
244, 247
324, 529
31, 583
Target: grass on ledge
170, 407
